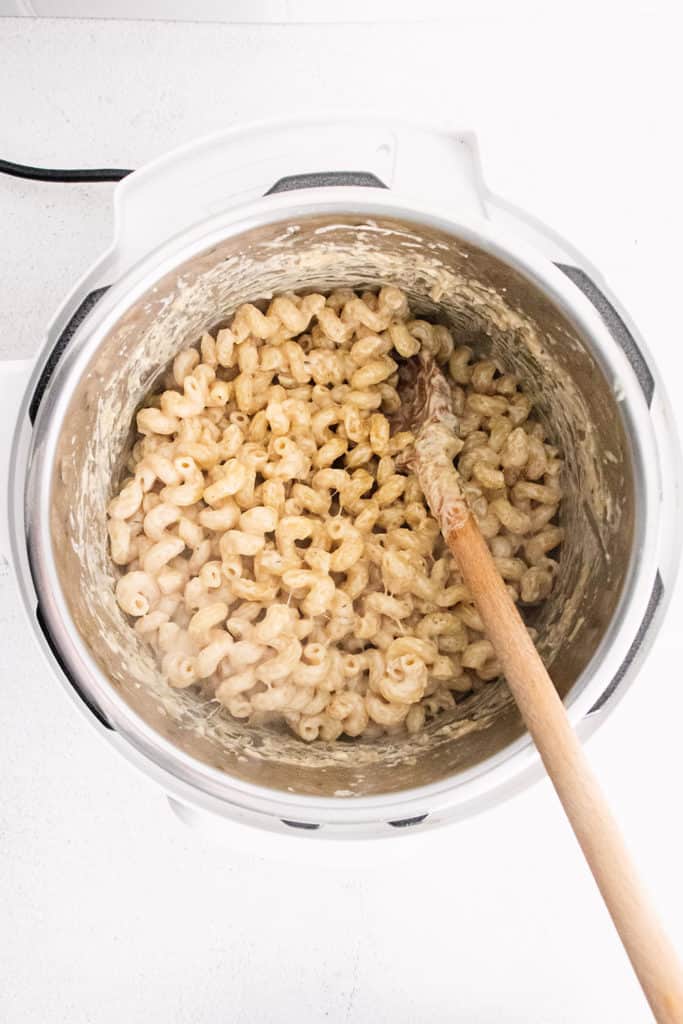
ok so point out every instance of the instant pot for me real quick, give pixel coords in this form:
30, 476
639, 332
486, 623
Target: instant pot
243, 215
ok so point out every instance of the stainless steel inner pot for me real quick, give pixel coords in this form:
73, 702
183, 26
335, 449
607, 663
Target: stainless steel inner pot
83, 432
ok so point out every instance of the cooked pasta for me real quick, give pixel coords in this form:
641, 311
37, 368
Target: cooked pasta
274, 553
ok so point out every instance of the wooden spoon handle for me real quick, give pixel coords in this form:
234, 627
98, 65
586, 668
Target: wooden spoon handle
653, 957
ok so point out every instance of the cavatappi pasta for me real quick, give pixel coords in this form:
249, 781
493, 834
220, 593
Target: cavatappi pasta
275, 556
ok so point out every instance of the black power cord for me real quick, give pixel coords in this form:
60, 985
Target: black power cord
53, 174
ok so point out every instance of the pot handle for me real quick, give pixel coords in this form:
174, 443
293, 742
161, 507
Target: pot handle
636, 651
234, 167
617, 326
325, 179
671, 541
14, 378
669, 559
59, 336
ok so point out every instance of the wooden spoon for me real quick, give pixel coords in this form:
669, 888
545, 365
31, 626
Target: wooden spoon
427, 412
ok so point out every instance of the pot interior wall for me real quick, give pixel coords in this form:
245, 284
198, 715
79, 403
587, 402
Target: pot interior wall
490, 306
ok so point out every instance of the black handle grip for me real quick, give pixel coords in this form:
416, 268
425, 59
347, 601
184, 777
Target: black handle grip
409, 822
616, 326
650, 611
325, 179
55, 355
623, 337
60, 661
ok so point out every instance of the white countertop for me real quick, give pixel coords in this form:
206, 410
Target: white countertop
110, 909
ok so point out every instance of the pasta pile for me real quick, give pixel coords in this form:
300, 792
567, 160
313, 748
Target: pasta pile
274, 556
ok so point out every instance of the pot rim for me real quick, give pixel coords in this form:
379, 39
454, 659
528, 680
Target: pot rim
216, 788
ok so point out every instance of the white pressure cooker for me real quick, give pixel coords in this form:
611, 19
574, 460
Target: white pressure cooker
321, 204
